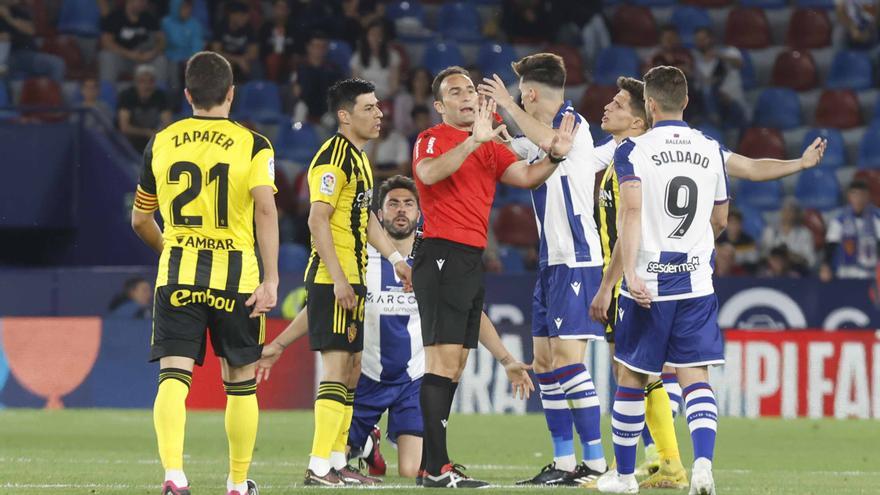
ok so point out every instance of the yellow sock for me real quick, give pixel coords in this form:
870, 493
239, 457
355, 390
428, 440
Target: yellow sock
242, 416
329, 417
342, 440
658, 415
169, 415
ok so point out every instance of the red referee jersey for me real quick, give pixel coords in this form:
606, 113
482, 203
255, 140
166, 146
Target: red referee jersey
457, 207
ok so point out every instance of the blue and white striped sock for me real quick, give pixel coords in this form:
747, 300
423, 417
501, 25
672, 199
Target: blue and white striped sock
670, 383
559, 421
702, 417
583, 401
627, 423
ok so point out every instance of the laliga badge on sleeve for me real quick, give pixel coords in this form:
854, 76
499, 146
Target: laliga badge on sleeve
328, 184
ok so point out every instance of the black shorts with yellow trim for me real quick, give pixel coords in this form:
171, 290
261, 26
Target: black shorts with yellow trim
182, 314
331, 327
612, 317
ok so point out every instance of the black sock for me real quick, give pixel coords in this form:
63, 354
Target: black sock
435, 400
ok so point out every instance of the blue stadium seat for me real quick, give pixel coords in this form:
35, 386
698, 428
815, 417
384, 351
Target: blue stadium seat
292, 258
688, 19
835, 153
339, 54
441, 55
616, 61
495, 58
815, 4
106, 93
5, 102
460, 21
818, 188
80, 17
753, 221
403, 9
749, 77
506, 195
778, 108
850, 69
762, 196
297, 142
260, 101
711, 131
869, 148
764, 4
511, 259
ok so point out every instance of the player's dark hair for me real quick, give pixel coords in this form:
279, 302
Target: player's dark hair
668, 87
443, 74
343, 94
543, 68
397, 182
636, 90
208, 79
858, 185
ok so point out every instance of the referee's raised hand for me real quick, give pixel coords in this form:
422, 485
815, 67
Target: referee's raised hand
483, 131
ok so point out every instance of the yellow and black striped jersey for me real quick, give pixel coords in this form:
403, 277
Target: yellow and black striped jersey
609, 198
199, 173
340, 175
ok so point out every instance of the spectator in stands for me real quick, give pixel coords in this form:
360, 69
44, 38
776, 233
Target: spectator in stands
852, 237
718, 78
746, 251
130, 36
725, 261
313, 76
421, 118
184, 37
143, 108
377, 62
90, 90
525, 21
234, 39
135, 300
857, 23
418, 93
580, 23
390, 153
355, 16
277, 40
672, 52
18, 50
791, 233
778, 264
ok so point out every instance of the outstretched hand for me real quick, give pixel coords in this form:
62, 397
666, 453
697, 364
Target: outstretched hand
495, 89
563, 138
520, 382
814, 153
483, 130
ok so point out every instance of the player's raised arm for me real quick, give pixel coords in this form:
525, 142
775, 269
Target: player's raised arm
532, 128
764, 169
517, 371
521, 174
433, 170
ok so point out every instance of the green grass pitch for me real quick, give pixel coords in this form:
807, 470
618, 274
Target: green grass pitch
114, 452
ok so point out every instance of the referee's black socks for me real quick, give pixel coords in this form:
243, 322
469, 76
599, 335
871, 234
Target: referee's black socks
436, 400
453, 386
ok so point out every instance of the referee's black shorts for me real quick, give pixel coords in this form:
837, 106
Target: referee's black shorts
448, 285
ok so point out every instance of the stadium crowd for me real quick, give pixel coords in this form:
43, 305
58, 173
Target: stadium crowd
765, 77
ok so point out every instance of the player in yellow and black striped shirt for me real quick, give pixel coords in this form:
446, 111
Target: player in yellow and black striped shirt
213, 182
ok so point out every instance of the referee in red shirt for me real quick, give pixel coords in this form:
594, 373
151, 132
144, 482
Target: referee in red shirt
456, 165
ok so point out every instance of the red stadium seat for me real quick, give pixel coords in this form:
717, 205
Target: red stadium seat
67, 48
762, 142
634, 26
808, 28
747, 28
796, 70
515, 225
592, 105
574, 64
872, 178
813, 221
42, 92
838, 108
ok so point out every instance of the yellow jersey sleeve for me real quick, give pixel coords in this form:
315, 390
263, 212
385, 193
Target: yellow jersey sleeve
326, 183
145, 199
262, 164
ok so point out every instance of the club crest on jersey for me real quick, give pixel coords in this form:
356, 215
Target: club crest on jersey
558, 322
576, 287
352, 332
328, 184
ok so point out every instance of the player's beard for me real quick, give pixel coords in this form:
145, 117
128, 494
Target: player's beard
396, 232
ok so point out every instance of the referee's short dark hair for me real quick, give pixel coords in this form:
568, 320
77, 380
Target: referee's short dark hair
208, 79
343, 94
443, 74
543, 68
668, 87
397, 182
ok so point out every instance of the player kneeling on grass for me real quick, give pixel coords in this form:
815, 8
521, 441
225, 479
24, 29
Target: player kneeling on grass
393, 361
